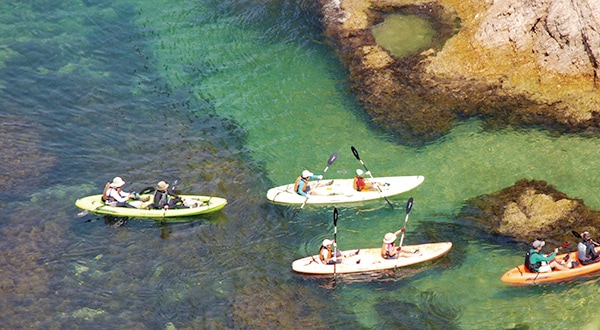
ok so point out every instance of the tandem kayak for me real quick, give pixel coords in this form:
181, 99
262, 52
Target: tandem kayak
342, 191
366, 260
519, 275
205, 204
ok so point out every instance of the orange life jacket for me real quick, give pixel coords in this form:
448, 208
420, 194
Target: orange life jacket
329, 253
296, 185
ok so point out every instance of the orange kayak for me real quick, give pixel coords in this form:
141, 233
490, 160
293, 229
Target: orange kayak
520, 276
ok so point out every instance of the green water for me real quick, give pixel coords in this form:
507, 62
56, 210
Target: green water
404, 35
185, 68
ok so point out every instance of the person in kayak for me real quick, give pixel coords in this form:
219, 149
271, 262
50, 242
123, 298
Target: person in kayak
586, 252
165, 198
326, 253
114, 196
301, 186
389, 250
537, 262
360, 184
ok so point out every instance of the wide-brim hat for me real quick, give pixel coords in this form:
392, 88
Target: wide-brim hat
306, 174
117, 182
389, 238
162, 185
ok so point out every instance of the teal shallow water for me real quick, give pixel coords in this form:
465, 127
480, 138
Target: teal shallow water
161, 89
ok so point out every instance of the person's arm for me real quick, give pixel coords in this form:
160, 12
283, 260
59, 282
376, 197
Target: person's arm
119, 196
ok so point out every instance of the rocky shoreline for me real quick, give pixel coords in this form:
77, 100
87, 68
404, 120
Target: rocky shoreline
528, 64
507, 63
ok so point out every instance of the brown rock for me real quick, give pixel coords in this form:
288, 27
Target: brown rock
508, 62
532, 209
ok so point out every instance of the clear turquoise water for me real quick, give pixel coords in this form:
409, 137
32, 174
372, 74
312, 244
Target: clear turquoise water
162, 89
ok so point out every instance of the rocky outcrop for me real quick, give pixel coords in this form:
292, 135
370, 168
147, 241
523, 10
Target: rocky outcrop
527, 63
532, 209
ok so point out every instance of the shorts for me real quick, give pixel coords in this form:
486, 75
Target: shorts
545, 269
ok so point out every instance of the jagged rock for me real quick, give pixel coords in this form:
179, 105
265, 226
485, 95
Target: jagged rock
527, 63
532, 209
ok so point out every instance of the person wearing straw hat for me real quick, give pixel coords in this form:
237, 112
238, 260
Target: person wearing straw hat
165, 198
115, 196
389, 249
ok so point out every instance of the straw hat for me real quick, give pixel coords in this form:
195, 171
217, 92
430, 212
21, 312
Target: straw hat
389, 238
117, 182
162, 186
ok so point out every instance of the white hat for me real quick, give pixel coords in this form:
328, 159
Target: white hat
327, 241
359, 172
306, 173
538, 244
117, 182
389, 238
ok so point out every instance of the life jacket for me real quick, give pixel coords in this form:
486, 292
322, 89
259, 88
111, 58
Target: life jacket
105, 192
528, 265
359, 183
329, 253
297, 183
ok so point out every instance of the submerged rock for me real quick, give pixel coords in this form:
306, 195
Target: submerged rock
532, 63
532, 209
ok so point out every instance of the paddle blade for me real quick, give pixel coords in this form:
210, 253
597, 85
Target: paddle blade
332, 158
576, 234
409, 205
355, 152
335, 216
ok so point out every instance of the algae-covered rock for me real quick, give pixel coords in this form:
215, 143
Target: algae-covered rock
532, 209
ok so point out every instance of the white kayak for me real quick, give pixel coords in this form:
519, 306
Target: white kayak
370, 259
342, 190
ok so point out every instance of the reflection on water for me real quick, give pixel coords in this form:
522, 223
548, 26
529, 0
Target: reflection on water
404, 35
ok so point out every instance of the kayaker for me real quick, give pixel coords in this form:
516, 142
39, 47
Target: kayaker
537, 262
326, 253
114, 196
165, 199
390, 251
586, 252
301, 186
360, 184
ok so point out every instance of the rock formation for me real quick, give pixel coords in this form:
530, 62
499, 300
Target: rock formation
527, 63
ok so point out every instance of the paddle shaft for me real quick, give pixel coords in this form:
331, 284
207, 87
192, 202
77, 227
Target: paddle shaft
330, 161
576, 234
409, 205
355, 152
335, 217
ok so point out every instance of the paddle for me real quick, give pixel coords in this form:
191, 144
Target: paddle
408, 208
335, 218
576, 234
330, 161
366, 169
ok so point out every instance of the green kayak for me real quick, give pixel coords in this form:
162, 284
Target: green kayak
198, 205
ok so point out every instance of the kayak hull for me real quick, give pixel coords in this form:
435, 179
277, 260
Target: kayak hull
368, 260
519, 276
342, 191
94, 204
